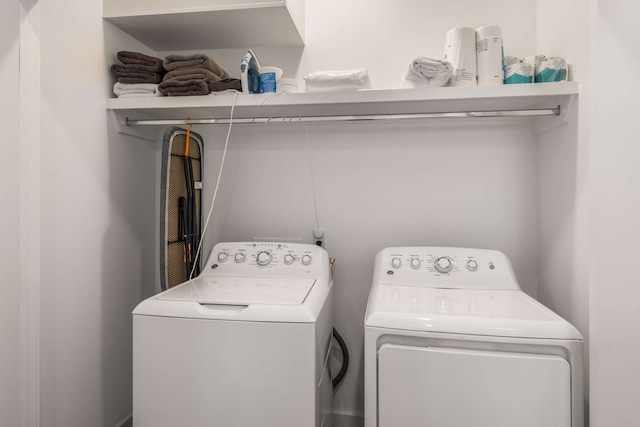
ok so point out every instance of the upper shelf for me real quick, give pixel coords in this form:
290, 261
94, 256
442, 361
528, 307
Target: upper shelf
368, 102
209, 24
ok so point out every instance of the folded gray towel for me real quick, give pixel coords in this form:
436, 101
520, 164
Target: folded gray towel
175, 87
128, 75
192, 74
225, 84
140, 61
182, 62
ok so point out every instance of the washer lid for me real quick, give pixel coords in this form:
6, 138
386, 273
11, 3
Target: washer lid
501, 313
241, 290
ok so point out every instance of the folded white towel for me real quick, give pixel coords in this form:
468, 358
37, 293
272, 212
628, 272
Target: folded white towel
424, 72
135, 90
337, 81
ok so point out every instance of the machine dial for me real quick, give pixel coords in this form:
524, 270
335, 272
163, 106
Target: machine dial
289, 259
415, 263
472, 265
239, 257
443, 265
396, 263
306, 259
263, 258
223, 256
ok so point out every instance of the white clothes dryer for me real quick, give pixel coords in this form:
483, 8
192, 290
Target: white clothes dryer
244, 344
452, 341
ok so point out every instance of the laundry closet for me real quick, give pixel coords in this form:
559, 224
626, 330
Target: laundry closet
521, 185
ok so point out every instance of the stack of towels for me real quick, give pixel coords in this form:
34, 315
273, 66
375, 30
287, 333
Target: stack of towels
338, 80
138, 75
424, 72
194, 75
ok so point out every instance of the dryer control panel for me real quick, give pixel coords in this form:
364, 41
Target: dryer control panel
444, 267
267, 259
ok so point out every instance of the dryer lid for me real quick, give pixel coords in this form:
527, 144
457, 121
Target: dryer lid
241, 290
499, 313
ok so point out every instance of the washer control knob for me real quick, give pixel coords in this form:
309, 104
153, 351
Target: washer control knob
396, 263
443, 265
263, 258
472, 265
223, 256
415, 263
289, 259
239, 257
306, 259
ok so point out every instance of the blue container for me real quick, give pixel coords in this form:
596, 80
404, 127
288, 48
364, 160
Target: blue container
268, 82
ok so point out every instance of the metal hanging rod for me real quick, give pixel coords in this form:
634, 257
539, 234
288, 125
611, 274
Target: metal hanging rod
354, 118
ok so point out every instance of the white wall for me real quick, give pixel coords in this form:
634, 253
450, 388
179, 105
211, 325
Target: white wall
563, 273
96, 237
385, 37
615, 294
9, 194
378, 185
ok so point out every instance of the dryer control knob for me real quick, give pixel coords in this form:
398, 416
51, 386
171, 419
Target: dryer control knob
289, 259
306, 259
263, 258
443, 265
396, 263
472, 265
415, 263
223, 256
239, 257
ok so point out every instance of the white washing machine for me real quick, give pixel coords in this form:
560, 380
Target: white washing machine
452, 341
244, 344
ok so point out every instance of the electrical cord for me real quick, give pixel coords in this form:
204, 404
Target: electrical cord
345, 359
215, 192
189, 205
313, 181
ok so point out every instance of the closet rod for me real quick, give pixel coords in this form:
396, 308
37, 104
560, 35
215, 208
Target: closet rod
354, 118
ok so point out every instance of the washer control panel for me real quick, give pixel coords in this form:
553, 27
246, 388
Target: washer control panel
445, 267
266, 258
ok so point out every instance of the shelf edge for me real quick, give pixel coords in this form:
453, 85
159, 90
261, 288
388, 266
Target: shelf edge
177, 11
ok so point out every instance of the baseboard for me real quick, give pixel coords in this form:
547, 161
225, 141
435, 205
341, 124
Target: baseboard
339, 420
348, 420
126, 423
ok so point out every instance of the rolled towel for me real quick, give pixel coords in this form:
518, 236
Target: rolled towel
424, 72
140, 61
182, 62
192, 74
175, 87
137, 90
337, 81
226, 84
129, 75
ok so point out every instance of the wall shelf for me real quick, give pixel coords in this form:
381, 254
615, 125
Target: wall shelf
370, 102
207, 25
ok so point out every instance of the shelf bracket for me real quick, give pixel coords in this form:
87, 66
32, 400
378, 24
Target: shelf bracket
120, 124
543, 125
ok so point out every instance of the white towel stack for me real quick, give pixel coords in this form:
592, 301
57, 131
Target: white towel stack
423, 72
338, 81
136, 90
